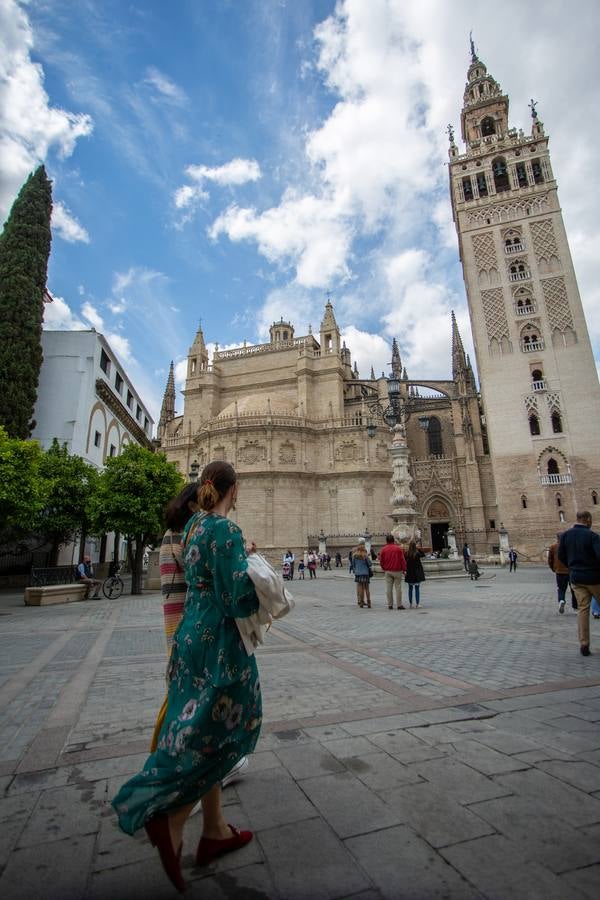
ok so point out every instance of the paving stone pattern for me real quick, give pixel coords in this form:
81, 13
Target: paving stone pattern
447, 752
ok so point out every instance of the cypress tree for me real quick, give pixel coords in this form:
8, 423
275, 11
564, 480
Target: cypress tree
24, 251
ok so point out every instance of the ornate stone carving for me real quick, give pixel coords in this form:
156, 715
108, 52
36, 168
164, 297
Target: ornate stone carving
251, 453
531, 405
382, 452
544, 240
347, 451
287, 452
504, 212
557, 303
494, 312
219, 453
485, 251
553, 401
438, 510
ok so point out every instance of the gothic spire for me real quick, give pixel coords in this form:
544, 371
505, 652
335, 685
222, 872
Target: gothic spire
328, 323
459, 362
167, 410
372, 374
396, 362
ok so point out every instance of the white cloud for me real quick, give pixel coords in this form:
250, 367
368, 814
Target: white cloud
189, 195
29, 126
67, 226
58, 316
368, 350
91, 315
121, 345
117, 306
165, 86
236, 171
135, 277
180, 372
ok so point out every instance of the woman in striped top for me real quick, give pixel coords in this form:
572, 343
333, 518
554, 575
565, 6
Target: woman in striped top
172, 582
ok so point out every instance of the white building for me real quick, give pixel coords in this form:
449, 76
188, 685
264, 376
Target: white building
86, 400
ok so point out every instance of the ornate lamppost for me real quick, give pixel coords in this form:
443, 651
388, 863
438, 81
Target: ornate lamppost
194, 471
396, 416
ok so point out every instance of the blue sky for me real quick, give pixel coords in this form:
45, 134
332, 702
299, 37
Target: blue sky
233, 161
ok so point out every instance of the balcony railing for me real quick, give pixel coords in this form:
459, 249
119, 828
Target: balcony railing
556, 479
531, 346
525, 310
538, 385
514, 248
519, 276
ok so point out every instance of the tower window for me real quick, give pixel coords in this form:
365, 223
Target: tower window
534, 424
105, 362
500, 175
524, 501
538, 175
488, 126
521, 175
129, 399
556, 423
482, 186
97, 438
561, 516
595, 498
467, 188
553, 467
434, 436
558, 500
119, 382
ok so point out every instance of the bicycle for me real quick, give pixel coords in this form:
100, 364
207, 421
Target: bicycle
113, 586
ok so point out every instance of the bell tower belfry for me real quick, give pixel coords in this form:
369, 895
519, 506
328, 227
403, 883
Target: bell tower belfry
539, 384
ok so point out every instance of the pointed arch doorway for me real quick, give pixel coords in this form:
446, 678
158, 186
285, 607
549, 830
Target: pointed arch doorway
438, 517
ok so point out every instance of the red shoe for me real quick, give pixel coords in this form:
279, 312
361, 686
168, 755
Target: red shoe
157, 829
210, 848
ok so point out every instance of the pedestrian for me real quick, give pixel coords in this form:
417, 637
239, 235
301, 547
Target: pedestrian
85, 575
328, 562
579, 549
415, 573
595, 608
474, 572
290, 559
350, 566
312, 564
561, 573
338, 560
466, 554
213, 713
512, 560
173, 585
301, 569
393, 564
363, 572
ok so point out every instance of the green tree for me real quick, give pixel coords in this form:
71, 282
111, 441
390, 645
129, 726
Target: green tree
131, 496
21, 488
68, 484
24, 251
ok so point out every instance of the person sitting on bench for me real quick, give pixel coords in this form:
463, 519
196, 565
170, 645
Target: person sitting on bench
85, 575
474, 570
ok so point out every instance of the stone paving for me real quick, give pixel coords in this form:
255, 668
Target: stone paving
447, 752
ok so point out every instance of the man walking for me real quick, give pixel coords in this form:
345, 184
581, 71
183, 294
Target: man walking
393, 563
466, 555
512, 559
561, 572
579, 549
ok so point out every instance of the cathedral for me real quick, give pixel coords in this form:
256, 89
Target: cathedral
309, 437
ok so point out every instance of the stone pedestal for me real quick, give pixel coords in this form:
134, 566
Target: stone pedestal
403, 500
452, 543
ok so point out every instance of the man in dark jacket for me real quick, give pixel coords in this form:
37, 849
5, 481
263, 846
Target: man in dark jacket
579, 549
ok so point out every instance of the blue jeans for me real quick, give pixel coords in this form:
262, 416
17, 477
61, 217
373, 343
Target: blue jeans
595, 607
417, 588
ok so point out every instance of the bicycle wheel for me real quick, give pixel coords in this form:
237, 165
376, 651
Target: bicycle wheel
112, 588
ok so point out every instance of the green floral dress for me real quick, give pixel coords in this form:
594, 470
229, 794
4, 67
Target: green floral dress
214, 708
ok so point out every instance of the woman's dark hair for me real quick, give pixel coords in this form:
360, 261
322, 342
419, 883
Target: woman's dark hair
216, 479
412, 549
178, 511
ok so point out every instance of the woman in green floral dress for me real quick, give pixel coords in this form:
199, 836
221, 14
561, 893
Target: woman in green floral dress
213, 711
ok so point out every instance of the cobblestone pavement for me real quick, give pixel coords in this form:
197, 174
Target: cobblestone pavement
447, 752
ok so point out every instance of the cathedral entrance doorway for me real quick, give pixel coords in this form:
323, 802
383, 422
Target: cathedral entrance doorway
438, 536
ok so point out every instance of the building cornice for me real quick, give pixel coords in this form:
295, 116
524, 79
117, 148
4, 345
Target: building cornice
114, 404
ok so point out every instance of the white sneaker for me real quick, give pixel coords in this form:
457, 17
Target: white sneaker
238, 771
561, 607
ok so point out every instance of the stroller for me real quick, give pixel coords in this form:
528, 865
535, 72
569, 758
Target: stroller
286, 571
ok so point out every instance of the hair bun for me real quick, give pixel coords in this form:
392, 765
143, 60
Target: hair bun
208, 495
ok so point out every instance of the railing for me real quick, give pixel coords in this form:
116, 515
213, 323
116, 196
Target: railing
256, 349
525, 310
531, 346
538, 385
556, 479
513, 248
519, 276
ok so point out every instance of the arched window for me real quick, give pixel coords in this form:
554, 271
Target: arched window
537, 375
524, 501
500, 175
488, 126
595, 498
434, 436
556, 423
521, 175
482, 185
561, 516
538, 175
534, 424
558, 500
553, 467
467, 188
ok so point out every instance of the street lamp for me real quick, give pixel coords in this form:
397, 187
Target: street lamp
194, 470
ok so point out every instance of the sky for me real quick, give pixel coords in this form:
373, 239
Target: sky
230, 162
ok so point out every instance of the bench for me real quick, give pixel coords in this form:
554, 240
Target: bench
56, 584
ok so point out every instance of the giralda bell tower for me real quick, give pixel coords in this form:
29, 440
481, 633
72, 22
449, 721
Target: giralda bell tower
538, 378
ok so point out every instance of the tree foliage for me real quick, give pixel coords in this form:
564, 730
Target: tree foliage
21, 489
68, 485
24, 251
130, 498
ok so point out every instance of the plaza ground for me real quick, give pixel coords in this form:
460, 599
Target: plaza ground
447, 752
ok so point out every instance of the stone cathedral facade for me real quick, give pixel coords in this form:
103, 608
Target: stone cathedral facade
292, 414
